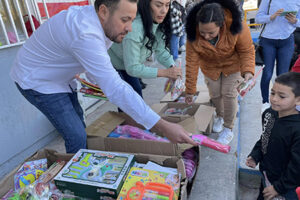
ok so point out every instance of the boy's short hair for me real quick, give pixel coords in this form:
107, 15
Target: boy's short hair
292, 80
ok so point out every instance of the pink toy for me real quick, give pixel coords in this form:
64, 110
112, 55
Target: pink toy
245, 87
211, 143
138, 133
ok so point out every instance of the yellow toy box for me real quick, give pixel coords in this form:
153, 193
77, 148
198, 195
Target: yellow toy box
145, 176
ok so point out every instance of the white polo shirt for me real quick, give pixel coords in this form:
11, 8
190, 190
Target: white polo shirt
69, 43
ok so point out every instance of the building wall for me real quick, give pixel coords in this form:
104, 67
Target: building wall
23, 129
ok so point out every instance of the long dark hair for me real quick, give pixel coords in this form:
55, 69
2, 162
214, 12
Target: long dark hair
212, 12
164, 27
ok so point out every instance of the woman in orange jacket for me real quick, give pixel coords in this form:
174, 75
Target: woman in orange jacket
220, 44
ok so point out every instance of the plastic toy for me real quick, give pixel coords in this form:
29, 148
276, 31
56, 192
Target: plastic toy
245, 87
146, 176
138, 133
90, 90
211, 143
150, 191
29, 172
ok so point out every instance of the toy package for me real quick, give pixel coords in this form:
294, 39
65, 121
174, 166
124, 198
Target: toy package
211, 143
128, 131
246, 86
29, 172
95, 174
90, 90
146, 176
177, 111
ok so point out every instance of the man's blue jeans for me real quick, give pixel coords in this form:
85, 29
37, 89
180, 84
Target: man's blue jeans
64, 112
279, 50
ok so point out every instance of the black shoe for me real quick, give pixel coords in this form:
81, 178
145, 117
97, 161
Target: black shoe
143, 85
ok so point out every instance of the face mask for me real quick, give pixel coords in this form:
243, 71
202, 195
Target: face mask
298, 108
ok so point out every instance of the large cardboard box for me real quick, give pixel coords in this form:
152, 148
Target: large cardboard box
98, 131
202, 96
198, 118
7, 183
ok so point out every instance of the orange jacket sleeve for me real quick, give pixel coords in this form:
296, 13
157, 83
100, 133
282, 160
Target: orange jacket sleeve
192, 69
245, 49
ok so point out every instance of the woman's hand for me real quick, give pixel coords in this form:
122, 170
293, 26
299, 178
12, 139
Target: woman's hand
189, 98
172, 72
248, 76
291, 18
269, 193
250, 162
276, 14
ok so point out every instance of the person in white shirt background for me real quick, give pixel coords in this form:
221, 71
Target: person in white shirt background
277, 39
72, 42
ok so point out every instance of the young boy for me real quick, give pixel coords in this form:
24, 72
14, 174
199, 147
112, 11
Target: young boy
278, 150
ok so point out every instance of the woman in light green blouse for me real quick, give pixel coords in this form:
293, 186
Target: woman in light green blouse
150, 34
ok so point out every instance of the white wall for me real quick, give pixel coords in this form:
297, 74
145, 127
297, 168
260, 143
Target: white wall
23, 129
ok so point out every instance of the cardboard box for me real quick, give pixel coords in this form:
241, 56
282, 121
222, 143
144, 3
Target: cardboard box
52, 156
168, 161
202, 96
94, 174
99, 130
198, 118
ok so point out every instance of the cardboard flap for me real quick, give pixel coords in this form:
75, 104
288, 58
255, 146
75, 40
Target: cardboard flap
140, 146
189, 125
181, 168
158, 107
203, 117
104, 124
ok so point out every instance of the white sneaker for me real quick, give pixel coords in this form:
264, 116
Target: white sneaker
218, 124
265, 106
225, 136
182, 48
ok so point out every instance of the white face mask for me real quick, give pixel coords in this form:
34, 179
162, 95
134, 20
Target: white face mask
298, 108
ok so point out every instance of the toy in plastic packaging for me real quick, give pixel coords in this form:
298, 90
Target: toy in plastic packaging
138, 133
169, 85
246, 86
29, 172
211, 143
145, 176
150, 191
177, 111
177, 89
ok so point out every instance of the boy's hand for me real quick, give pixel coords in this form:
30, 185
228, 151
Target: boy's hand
250, 162
269, 193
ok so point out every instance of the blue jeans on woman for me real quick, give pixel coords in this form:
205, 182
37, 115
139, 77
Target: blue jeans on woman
279, 50
64, 112
133, 81
175, 43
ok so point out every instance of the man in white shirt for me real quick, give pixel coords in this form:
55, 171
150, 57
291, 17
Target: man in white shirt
74, 41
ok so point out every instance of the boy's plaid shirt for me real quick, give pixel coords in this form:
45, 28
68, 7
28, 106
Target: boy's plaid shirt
176, 18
